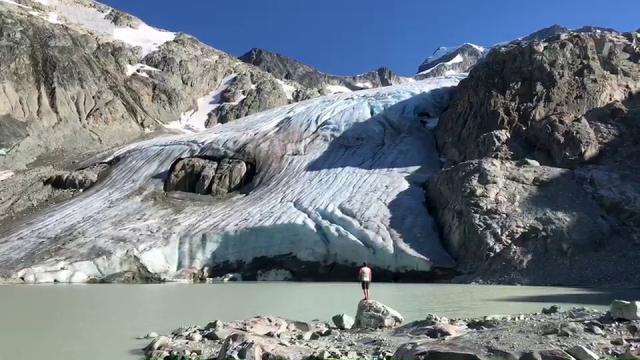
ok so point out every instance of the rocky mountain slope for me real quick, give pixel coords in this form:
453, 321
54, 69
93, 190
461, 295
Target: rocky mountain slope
541, 141
309, 82
80, 78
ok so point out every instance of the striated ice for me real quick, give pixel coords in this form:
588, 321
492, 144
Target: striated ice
338, 179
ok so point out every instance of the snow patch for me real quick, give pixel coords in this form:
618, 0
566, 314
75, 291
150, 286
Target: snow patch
364, 85
456, 60
5, 174
52, 17
93, 19
144, 36
446, 50
337, 89
139, 69
289, 90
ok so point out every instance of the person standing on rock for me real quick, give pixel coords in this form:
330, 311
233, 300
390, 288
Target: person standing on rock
365, 276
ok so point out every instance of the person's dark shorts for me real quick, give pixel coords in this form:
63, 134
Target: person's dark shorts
365, 285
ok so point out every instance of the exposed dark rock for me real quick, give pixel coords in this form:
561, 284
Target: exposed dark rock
519, 86
310, 79
208, 176
521, 217
263, 94
570, 104
81, 179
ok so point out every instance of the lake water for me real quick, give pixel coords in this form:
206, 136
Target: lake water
100, 322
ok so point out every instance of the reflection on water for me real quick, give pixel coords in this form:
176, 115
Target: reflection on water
101, 321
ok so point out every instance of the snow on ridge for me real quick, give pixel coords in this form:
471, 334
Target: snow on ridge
333, 186
144, 36
446, 50
94, 20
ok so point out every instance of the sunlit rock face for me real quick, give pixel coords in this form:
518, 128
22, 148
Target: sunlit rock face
332, 181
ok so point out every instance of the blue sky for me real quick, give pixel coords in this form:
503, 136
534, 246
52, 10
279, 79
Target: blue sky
353, 36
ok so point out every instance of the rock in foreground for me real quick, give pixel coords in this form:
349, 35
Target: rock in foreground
374, 315
343, 321
569, 335
626, 310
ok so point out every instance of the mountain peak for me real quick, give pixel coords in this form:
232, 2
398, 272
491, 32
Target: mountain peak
451, 60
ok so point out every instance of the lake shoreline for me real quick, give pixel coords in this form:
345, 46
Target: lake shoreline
577, 333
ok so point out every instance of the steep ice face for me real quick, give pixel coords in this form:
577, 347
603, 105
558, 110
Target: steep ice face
338, 180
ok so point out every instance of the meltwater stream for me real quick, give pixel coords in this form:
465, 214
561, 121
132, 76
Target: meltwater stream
101, 322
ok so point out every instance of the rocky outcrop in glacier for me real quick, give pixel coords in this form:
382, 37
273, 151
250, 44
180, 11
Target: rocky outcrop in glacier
335, 181
570, 104
80, 179
207, 176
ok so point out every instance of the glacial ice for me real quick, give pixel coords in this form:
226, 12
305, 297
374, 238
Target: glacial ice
338, 180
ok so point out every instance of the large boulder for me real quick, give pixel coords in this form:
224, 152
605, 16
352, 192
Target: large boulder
626, 310
427, 350
582, 353
208, 176
374, 315
80, 179
343, 321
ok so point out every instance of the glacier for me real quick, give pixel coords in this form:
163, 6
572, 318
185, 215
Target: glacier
338, 180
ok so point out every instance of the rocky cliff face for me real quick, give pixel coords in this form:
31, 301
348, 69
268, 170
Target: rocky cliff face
570, 104
308, 80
